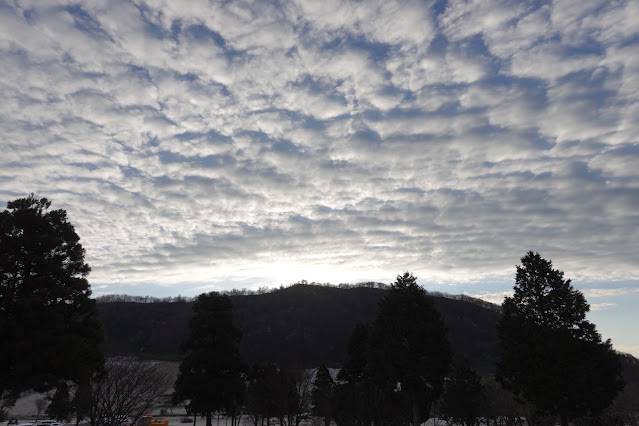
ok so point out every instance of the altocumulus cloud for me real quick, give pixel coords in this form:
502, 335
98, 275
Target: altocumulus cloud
222, 144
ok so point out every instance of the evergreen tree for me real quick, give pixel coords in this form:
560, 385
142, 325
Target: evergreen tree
60, 407
355, 393
551, 355
212, 373
83, 403
263, 393
354, 366
323, 394
49, 325
463, 396
409, 350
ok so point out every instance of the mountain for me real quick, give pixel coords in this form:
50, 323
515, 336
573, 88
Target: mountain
298, 327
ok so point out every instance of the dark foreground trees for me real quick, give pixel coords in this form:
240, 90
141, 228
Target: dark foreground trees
60, 407
323, 395
354, 393
278, 396
409, 349
212, 374
49, 326
463, 398
396, 367
551, 355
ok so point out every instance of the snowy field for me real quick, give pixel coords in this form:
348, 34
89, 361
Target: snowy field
25, 412
175, 421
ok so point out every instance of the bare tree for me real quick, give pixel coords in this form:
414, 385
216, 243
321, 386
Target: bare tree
41, 405
127, 387
300, 399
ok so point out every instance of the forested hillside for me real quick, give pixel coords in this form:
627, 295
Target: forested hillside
298, 326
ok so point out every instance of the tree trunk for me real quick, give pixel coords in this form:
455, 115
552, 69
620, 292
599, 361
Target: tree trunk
564, 419
209, 420
416, 421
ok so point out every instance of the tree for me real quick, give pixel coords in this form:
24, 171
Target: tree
300, 387
41, 405
463, 397
82, 402
323, 394
409, 350
275, 393
354, 367
212, 374
355, 395
126, 387
60, 406
551, 355
502, 409
261, 398
49, 325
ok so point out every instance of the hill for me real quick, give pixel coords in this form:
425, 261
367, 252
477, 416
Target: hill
299, 326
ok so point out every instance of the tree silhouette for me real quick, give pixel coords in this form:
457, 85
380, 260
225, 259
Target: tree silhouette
463, 397
355, 394
212, 373
323, 394
263, 393
60, 406
49, 325
127, 387
409, 351
551, 355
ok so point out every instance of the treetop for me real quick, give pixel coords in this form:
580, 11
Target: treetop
30, 202
407, 280
544, 297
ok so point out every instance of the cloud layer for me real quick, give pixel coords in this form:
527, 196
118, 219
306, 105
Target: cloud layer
255, 143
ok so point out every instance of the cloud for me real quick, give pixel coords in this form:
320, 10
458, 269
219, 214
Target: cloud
496, 298
607, 292
602, 306
244, 143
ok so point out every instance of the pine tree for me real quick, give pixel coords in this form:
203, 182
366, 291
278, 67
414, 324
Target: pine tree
463, 394
409, 349
212, 373
49, 326
60, 407
323, 394
355, 394
551, 355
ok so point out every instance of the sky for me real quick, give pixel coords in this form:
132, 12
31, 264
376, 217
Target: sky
206, 145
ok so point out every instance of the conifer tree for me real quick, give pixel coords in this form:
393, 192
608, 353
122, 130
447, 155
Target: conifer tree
409, 350
355, 394
60, 407
49, 326
463, 394
323, 394
551, 355
212, 374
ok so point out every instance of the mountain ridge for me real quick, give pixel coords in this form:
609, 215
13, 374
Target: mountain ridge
301, 326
